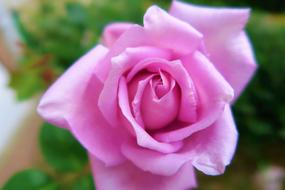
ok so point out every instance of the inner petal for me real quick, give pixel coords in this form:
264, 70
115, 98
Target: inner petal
188, 96
160, 103
160, 84
143, 138
135, 90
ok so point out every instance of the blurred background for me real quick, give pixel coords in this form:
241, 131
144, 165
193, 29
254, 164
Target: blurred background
40, 39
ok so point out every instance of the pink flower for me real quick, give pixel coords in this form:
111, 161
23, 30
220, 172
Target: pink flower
154, 102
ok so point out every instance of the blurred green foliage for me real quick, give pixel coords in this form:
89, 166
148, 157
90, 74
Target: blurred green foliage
31, 179
61, 150
83, 183
67, 164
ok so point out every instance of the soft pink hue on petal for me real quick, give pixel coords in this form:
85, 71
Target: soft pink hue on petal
136, 36
225, 41
188, 104
133, 37
214, 23
72, 105
135, 90
93, 131
62, 97
142, 137
159, 112
113, 31
162, 86
121, 64
235, 60
209, 150
170, 32
154, 99
129, 177
214, 93
155, 162
215, 153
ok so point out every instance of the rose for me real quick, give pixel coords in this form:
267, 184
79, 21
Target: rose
155, 102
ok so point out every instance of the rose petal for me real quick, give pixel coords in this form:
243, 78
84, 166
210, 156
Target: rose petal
212, 22
209, 150
169, 32
214, 154
113, 31
188, 107
236, 62
129, 177
162, 89
227, 45
214, 93
159, 112
61, 98
72, 105
121, 64
133, 37
153, 161
135, 89
93, 131
142, 137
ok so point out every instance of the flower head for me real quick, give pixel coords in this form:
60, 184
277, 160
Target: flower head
154, 101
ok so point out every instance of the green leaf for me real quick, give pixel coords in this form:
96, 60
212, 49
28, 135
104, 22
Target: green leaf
31, 179
61, 150
84, 183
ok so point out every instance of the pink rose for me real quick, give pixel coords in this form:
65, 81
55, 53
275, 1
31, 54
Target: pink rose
154, 102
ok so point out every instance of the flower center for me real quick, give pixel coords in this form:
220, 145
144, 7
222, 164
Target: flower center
160, 102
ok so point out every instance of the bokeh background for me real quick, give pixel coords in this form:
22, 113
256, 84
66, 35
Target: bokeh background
52, 34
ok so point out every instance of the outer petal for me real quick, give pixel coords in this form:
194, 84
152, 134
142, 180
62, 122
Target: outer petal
217, 151
169, 32
93, 131
153, 34
155, 162
235, 60
71, 102
225, 42
209, 150
129, 177
60, 99
211, 22
113, 31
135, 36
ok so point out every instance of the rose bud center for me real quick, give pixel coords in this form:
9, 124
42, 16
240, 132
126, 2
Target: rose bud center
160, 101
